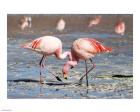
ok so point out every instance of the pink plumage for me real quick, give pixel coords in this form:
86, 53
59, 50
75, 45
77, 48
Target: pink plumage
95, 21
61, 25
120, 27
47, 45
84, 49
25, 22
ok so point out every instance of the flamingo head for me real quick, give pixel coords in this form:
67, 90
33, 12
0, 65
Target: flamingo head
65, 70
67, 66
27, 45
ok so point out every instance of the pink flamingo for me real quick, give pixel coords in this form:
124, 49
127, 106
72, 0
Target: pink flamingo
94, 21
25, 22
61, 25
84, 49
120, 27
47, 45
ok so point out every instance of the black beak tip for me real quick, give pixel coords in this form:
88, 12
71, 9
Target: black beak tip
72, 67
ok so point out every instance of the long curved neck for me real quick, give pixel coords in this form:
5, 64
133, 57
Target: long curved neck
70, 55
61, 55
69, 64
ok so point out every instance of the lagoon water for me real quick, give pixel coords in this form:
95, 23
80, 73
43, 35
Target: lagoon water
112, 77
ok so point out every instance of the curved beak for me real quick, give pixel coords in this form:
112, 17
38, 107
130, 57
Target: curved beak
65, 76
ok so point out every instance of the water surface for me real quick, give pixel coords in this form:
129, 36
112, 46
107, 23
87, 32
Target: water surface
112, 77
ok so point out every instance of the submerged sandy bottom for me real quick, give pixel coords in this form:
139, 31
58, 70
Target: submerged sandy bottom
99, 88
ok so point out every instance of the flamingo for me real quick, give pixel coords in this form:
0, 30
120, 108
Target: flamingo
120, 27
47, 45
25, 22
84, 49
94, 21
61, 25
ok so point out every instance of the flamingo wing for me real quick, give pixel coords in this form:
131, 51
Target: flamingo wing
46, 44
97, 45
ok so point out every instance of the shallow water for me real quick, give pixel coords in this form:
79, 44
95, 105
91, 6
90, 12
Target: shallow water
23, 68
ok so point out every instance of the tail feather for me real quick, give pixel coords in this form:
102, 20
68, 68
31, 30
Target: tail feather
102, 48
26, 45
98, 45
108, 49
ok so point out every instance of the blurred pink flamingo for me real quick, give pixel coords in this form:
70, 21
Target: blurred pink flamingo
25, 22
95, 21
120, 27
61, 25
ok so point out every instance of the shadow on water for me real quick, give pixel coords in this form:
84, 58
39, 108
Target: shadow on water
49, 84
122, 76
55, 89
52, 83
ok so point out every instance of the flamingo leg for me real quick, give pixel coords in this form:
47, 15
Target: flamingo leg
86, 73
93, 66
92, 63
41, 63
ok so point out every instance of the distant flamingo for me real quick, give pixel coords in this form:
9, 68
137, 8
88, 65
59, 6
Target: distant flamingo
84, 49
48, 45
60, 25
94, 21
25, 22
120, 27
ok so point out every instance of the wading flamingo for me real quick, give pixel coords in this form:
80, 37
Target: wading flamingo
120, 27
95, 21
60, 25
25, 22
47, 45
84, 49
